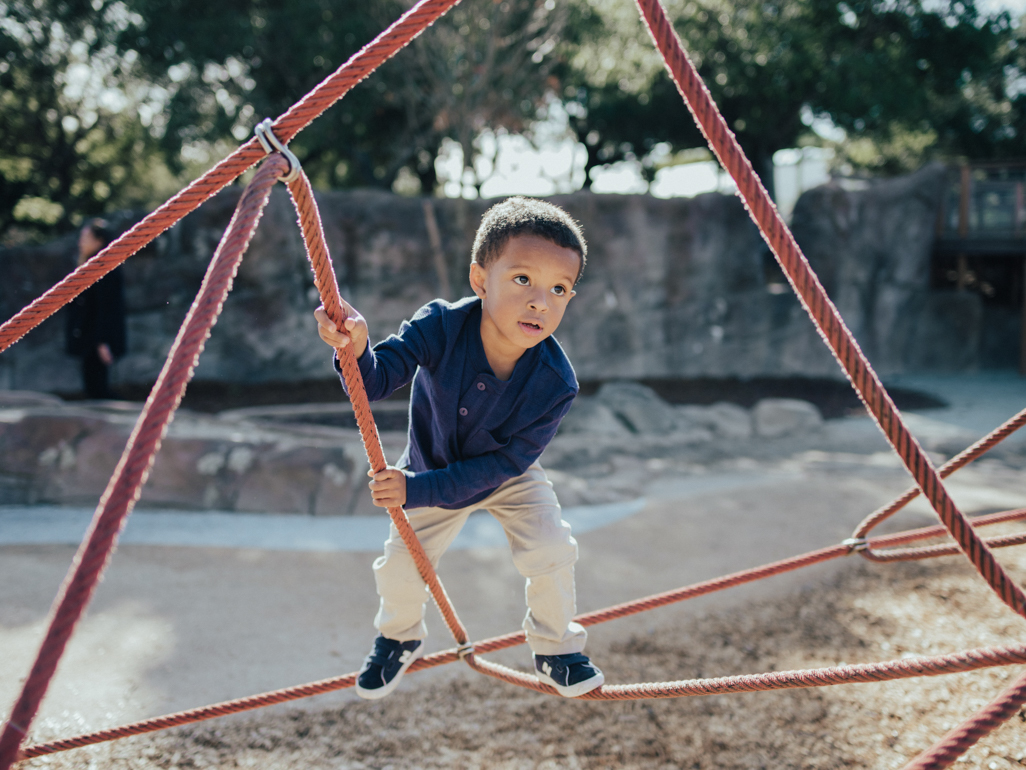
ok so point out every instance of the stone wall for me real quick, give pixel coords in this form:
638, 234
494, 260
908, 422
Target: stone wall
679, 287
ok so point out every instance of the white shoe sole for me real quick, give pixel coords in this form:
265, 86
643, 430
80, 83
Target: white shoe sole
574, 690
381, 692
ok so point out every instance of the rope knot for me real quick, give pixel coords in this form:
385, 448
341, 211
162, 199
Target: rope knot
464, 650
856, 544
271, 143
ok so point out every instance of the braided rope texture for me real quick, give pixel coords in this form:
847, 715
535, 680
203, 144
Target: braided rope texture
327, 286
942, 549
301, 114
960, 460
968, 660
955, 743
137, 459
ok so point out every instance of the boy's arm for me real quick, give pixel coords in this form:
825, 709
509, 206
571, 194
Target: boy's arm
463, 479
391, 363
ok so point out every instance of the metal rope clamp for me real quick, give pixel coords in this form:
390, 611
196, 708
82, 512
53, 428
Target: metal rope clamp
270, 143
856, 544
464, 650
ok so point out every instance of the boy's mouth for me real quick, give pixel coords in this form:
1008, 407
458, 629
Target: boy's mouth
530, 328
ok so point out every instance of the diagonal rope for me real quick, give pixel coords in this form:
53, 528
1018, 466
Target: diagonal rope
815, 300
958, 741
824, 314
137, 459
300, 115
960, 460
327, 285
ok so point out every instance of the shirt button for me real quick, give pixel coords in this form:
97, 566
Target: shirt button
480, 386
463, 411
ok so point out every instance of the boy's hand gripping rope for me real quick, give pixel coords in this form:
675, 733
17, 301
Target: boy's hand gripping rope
327, 286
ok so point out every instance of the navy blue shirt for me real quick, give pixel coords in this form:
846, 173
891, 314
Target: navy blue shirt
469, 430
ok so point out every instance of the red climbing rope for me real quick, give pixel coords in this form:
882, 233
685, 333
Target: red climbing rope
815, 300
958, 741
969, 660
324, 280
960, 460
942, 549
300, 115
137, 459
124, 487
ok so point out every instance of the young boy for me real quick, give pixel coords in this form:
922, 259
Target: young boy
490, 386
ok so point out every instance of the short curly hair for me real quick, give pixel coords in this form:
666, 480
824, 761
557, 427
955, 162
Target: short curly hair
526, 216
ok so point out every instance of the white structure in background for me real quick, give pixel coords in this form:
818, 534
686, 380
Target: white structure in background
554, 161
512, 165
798, 170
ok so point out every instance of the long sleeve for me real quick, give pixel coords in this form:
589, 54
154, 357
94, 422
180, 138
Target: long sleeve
392, 362
469, 431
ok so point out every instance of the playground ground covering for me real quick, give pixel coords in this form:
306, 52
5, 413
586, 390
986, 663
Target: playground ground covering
176, 627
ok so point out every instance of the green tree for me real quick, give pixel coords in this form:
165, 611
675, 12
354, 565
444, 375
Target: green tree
228, 65
879, 70
71, 142
913, 84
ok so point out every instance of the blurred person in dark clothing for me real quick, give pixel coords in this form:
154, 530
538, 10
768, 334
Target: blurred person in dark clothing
96, 318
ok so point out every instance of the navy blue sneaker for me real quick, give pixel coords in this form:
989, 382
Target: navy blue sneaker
385, 666
571, 675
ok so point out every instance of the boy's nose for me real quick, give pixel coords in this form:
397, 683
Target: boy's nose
538, 302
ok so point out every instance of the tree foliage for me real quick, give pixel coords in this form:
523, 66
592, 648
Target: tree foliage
69, 145
229, 64
107, 103
883, 70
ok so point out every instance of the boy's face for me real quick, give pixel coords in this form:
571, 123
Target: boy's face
524, 292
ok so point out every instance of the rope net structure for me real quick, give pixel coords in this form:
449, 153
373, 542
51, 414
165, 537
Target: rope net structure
132, 470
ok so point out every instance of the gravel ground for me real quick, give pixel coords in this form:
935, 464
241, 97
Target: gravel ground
870, 612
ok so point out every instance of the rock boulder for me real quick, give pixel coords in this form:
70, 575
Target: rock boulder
64, 455
725, 420
776, 417
639, 407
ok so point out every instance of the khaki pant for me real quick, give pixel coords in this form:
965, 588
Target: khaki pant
543, 552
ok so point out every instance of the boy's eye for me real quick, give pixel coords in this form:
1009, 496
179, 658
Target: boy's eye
559, 291
523, 280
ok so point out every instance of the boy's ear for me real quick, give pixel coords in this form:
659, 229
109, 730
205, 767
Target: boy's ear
477, 279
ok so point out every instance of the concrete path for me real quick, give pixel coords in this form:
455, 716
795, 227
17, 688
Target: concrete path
977, 403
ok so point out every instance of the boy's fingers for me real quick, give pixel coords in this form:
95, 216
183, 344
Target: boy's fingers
323, 320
